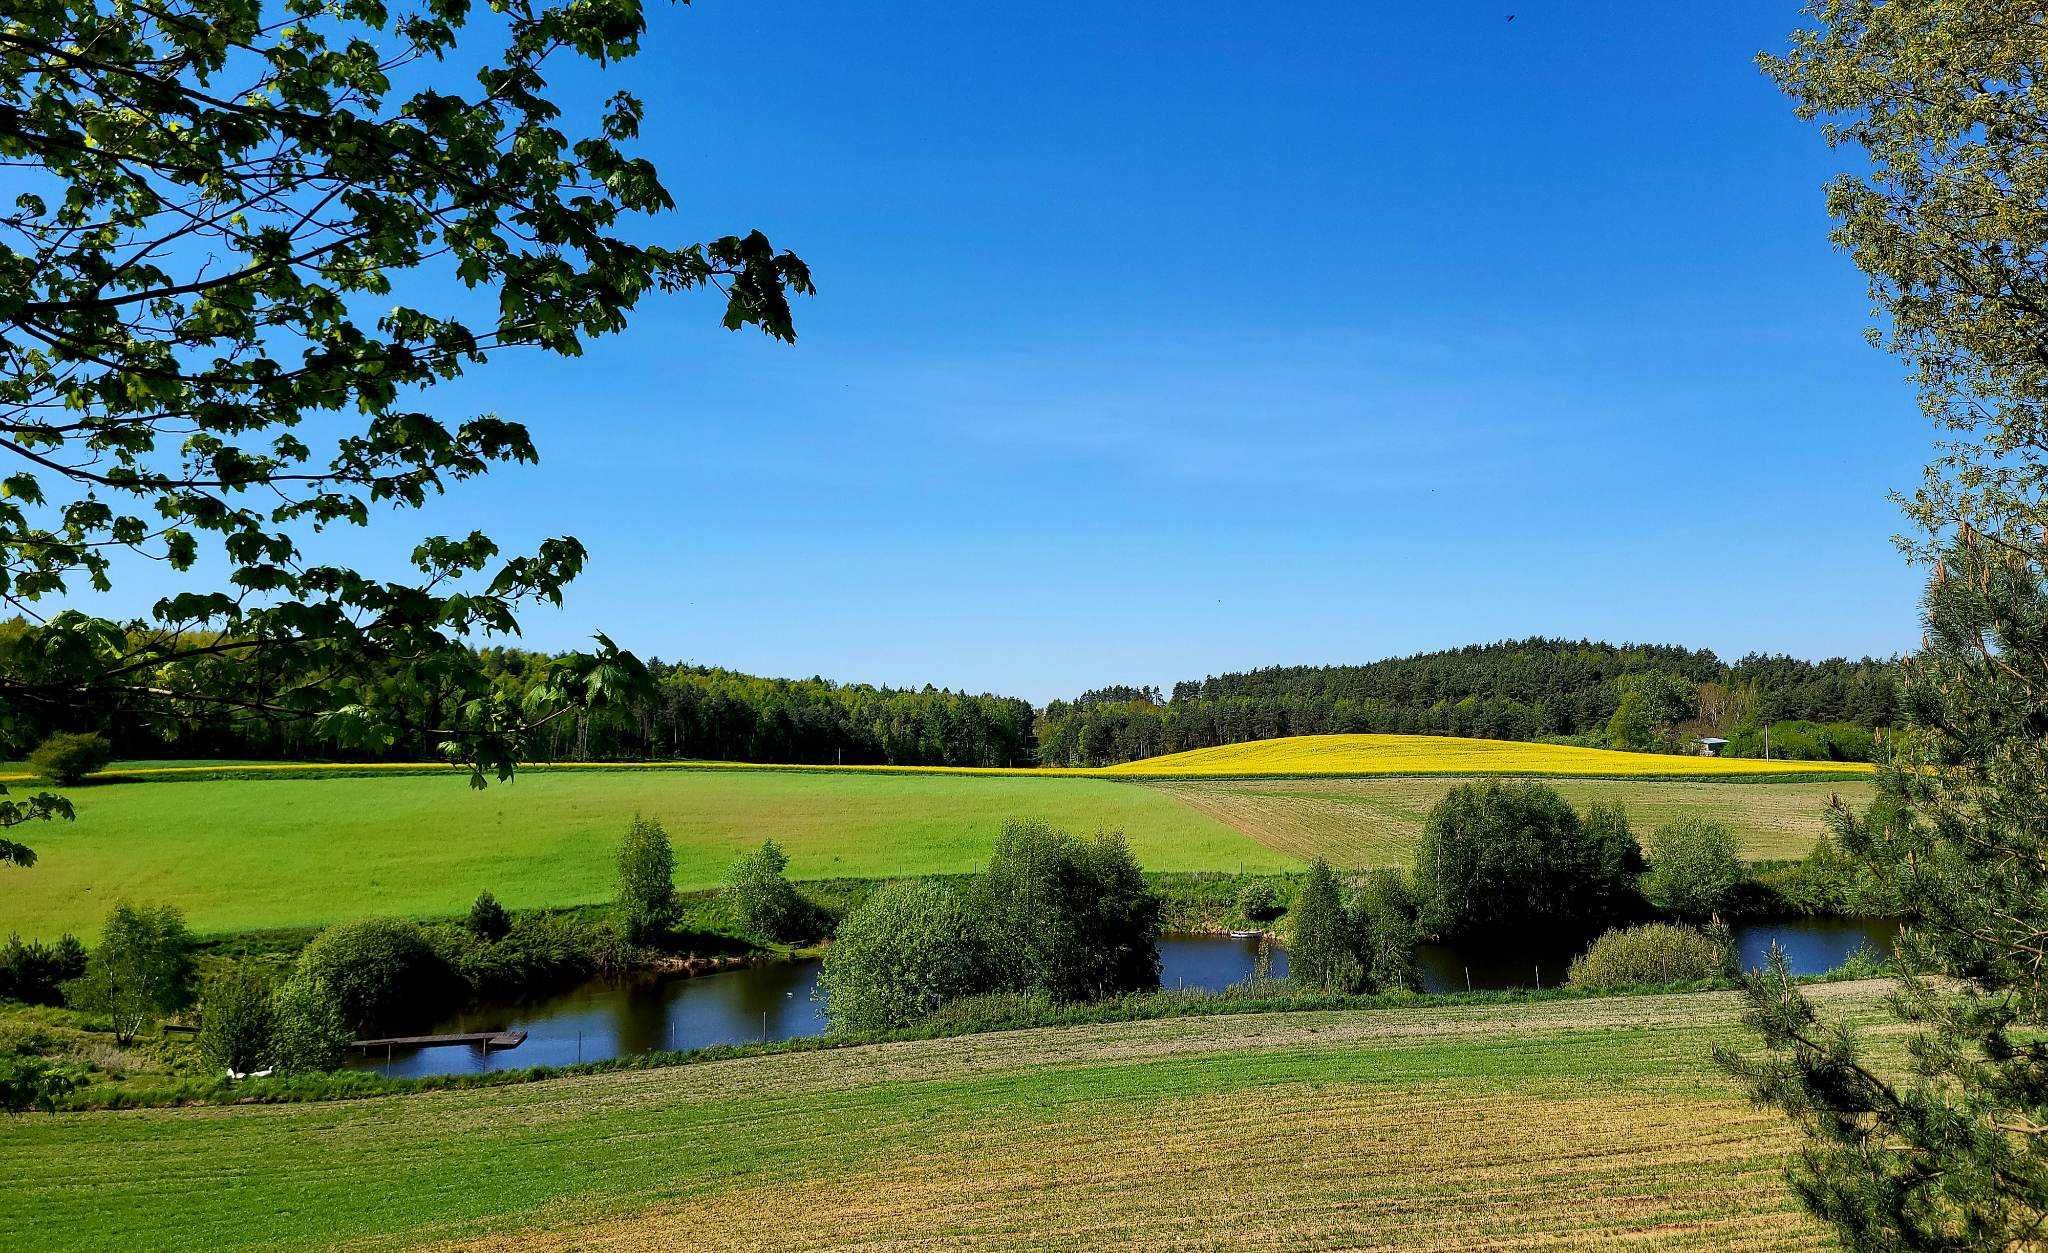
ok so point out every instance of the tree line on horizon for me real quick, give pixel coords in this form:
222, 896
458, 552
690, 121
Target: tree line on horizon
1636, 696
1639, 697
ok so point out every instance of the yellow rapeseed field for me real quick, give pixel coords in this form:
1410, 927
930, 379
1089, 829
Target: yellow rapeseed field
1444, 754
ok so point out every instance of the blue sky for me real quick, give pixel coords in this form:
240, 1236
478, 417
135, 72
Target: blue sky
1159, 340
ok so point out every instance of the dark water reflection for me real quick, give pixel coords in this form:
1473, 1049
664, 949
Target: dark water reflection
777, 1001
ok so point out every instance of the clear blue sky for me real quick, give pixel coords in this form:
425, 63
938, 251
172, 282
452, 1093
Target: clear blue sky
1156, 340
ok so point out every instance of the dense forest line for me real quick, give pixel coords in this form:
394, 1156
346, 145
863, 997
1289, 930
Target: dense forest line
1639, 697
1636, 697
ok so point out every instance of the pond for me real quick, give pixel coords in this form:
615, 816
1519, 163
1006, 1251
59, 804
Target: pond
776, 1001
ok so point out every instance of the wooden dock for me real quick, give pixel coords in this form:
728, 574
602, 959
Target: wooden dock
489, 1039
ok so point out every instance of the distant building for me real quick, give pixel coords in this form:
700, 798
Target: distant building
1711, 745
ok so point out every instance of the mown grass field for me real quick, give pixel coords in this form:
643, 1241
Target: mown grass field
249, 853
1443, 754
1555, 1123
1376, 822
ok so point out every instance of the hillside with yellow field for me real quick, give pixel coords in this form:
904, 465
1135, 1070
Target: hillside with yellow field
1445, 754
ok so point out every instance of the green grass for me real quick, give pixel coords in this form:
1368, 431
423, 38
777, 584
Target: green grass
246, 854
1548, 1123
1367, 822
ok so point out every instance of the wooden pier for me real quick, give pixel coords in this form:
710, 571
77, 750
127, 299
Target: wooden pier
489, 1039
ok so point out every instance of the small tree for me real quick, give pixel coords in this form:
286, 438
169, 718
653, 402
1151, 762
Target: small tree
141, 969
307, 1032
647, 884
487, 918
1320, 951
237, 1020
1383, 927
1695, 866
764, 902
64, 758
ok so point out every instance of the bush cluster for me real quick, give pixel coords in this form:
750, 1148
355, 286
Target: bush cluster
381, 973
1498, 858
1057, 916
36, 972
1654, 953
1258, 902
66, 759
1365, 943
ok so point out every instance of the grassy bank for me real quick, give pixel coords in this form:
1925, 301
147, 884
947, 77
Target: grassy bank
1555, 1121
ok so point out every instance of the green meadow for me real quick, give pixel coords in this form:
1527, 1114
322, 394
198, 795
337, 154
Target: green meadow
250, 853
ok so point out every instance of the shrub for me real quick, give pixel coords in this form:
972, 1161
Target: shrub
378, 972
764, 904
307, 1032
1502, 857
65, 758
1258, 902
1074, 918
1694, 868
28, 1083
1321, 950
647, 887
910, 949
36, 972
237, 1016
1654, 953
538, 951
141, 970
488, 919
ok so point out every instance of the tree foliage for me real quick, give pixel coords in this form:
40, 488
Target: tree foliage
1515, 690
1695, 867
488, 920
141, 969
36, 972
1074, 917
65, 758
237, 1020
765, 904
647, 882
1944, 103
248, 237
1501, 857
379, 973
907, 950
1322, 953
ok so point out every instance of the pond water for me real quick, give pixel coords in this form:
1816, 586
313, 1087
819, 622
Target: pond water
776, 1001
